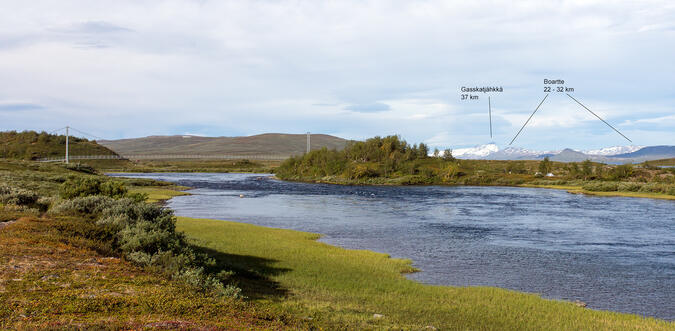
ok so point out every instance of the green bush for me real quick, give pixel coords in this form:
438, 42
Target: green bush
114, 189
91, 205
81, 168
601, 187
75, 187
5, 190
629, 187
654, 188
145, 182
549, 182
146, 235
621, 172
411, 180
18, 197
359, 171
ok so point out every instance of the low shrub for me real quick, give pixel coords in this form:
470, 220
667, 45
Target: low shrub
359, 171
411, 180
654, 188
5, 190
629, 187
145, 182
23, 199
512, 181
91, 205
76, 187
601, 186
19, 197
621, 172
81, 168
146, 235
112, 188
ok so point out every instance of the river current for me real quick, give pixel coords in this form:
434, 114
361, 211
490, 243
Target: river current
613, 253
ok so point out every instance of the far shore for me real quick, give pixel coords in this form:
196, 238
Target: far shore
164, 193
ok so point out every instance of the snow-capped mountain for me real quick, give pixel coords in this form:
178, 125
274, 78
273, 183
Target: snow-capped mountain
493, 152
477, 152
615, 154
614, 150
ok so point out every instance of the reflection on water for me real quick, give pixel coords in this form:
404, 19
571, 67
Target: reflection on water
613, 253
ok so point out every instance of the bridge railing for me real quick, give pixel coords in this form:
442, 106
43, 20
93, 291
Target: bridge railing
270, 157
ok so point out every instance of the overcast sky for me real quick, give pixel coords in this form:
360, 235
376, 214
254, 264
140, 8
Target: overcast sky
120, 69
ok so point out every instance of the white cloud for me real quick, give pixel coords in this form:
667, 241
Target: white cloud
129, 68
663, 120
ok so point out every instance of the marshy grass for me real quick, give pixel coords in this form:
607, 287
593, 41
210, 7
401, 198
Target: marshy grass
357, 289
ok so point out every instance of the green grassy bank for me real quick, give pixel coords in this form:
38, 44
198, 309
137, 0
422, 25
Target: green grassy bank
354, 289
580, 190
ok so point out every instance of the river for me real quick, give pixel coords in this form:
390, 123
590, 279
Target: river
613, 253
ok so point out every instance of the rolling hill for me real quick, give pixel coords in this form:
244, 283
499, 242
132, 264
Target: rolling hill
269, 143
659, 152
31, 145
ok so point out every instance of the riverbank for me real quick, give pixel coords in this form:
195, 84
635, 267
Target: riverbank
580, 190
358, 289
56, 272
392, 161
573, 189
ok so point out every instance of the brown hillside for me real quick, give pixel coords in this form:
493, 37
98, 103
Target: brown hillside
269, 143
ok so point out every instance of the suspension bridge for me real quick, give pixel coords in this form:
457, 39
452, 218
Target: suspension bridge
134, 157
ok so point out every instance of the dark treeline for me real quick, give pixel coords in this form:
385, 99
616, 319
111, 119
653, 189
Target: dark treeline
31, 145
375, 157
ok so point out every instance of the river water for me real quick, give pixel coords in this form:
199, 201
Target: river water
613, 253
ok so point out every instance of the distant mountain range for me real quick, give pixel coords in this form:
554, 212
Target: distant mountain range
614, 155
269, 143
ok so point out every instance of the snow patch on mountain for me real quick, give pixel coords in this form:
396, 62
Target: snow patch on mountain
492, 152
476, 152
614, 150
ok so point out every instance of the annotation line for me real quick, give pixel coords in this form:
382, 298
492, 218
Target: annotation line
590, 111
490, 112
528, 120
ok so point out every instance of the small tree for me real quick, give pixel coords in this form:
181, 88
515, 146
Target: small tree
545, 166
587, 169
423, 150
622, 172
599, 171
517, 167
449, 172
573, 170
437, 153
447, 155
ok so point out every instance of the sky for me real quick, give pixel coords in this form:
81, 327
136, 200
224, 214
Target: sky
354, 69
